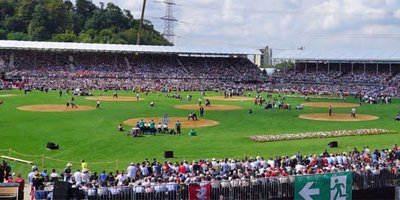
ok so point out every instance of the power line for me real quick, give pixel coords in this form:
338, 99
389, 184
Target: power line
191, 23
350, 35
307, 12
217, 42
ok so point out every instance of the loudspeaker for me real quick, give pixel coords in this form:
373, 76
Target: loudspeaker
168, 154
333, 144
62, 190
52, 146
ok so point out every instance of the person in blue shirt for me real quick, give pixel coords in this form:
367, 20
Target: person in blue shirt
103, 177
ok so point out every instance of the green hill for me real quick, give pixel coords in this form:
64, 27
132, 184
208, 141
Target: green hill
63, 21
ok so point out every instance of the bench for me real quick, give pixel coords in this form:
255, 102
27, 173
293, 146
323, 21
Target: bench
9, 191
17, 160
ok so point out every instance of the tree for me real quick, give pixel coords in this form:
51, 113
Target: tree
37, 28
69, 6
284, 64
68, 36
96, 22
59, 19
129, 35
114, 17
106, 35
7, 8
12, 24
88, 36
3, 34
84, 8
18, 36
25, 9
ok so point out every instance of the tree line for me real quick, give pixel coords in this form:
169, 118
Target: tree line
63, 21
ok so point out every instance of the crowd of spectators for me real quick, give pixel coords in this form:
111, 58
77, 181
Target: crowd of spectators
181, 73
156, 176
122, 71
335, 83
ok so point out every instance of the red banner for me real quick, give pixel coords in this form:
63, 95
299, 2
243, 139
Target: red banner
200, 192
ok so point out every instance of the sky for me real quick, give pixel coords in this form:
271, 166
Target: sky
279, 24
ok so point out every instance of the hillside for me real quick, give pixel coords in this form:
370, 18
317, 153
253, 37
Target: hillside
63, 21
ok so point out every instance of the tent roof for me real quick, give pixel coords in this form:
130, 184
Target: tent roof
340, 55
119, 48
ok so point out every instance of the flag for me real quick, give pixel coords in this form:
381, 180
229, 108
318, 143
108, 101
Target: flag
200, 192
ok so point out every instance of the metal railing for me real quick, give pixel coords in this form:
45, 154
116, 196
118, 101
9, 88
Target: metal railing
266, 188
261, 188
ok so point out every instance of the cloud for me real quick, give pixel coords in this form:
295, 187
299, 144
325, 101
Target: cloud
280, 24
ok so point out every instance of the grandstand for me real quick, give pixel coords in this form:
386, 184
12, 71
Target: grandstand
106, 66
353, 72
343, 60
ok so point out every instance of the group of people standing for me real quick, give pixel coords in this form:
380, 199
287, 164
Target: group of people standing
142, 127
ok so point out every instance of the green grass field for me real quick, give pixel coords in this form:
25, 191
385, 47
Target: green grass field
93, 136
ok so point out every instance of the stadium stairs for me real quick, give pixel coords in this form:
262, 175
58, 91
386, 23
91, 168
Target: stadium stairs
234, 69
182, 65
128, 64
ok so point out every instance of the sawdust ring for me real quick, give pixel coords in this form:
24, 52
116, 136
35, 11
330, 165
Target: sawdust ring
338, 117
234, 98
110, 98
54, 108
212, 107
333, 104
184, 121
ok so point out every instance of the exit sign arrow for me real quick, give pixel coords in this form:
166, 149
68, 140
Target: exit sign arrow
307, 192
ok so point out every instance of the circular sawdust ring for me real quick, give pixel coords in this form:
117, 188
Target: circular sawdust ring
184, 121
110, 98
338, 117
8, 95
54, 108
234, 98
333, 104
212, 107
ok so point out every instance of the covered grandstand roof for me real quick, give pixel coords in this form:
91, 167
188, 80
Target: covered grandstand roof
340, 55
119, 48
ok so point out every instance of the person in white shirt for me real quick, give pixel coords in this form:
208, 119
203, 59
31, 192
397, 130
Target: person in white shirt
159, 128
139, 188
132, 171
54, 176
121, 178
32, 174
160, 186
165, 128
353, 112
144, 170
77, 177
171, 185
98, 104
85, 176
271, 162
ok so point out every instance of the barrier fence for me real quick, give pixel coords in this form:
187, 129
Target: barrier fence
261, 188
40, 160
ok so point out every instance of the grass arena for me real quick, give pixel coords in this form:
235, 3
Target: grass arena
28, 122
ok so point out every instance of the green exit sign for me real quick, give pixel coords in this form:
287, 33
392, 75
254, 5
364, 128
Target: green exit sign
332, 186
